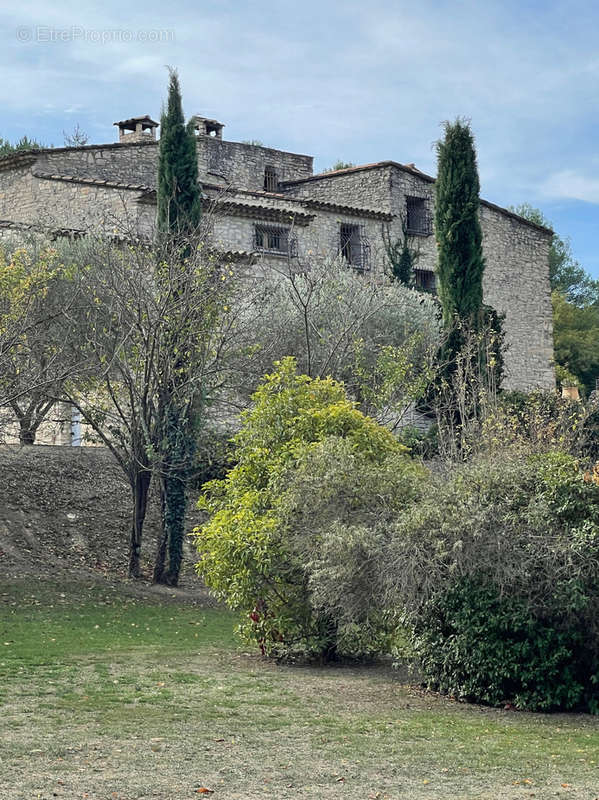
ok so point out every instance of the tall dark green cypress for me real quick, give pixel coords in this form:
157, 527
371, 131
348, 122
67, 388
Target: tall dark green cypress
460, 264
179, 193
179, 215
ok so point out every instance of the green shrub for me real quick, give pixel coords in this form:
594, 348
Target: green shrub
338, 509
475, 645
423, 443
497, 572
308, 464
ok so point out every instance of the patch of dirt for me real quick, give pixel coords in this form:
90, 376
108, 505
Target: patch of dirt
65, 513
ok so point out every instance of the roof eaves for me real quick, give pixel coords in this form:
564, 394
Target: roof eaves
361, 168
506, 212
314, 203
100, 182
10, 158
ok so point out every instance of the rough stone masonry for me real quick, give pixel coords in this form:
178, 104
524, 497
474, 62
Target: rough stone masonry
269, 207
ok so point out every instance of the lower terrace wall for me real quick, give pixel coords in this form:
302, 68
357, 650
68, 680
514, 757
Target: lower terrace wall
57, 428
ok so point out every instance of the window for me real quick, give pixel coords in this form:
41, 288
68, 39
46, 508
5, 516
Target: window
425, 280
272, 239
353, 247
271, 181
418, 217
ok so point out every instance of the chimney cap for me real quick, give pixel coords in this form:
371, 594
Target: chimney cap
130, 124
208, 127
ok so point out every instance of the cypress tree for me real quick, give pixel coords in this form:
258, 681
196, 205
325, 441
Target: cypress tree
179, 193
179, 215
459, 237
472, 330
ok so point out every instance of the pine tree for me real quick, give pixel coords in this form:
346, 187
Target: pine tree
179, 215
459, 237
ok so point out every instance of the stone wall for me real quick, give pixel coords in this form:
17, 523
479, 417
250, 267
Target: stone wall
55, 429
135, 162
243, 165
316, 242
227, 163
367, 188
17, 201
516, 282
381, 187
516, 278
49, 203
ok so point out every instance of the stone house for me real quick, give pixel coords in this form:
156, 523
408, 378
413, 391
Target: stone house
269, 207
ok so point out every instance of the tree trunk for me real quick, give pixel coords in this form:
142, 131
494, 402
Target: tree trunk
174, 504
140, 486
26, 432
179, 449
159, 564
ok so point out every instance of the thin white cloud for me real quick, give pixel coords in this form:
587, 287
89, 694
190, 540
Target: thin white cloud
572, 185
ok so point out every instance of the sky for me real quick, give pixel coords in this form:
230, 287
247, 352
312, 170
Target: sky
337, 79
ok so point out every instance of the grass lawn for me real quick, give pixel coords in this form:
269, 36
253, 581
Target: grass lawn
107, 696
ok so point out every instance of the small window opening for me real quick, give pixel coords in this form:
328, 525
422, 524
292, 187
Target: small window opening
418, 217
424, 279
271, 238
352, 246
271, 181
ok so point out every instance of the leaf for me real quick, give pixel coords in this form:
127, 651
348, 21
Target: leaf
204, 790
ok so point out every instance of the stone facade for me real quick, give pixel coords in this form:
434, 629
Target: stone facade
516, 279
267, 205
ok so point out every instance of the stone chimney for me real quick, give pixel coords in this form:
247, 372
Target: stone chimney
137, 129
208, 127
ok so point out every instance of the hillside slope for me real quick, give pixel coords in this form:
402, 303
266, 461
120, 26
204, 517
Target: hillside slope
65, 509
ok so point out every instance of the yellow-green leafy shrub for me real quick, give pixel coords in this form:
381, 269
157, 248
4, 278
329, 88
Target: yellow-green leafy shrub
307, 463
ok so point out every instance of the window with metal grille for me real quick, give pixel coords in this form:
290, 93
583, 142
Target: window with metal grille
425, 280
271, 180
272, 238
353, 246
418, 218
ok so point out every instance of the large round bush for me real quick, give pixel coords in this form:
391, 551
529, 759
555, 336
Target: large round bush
309, 467
498, 575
